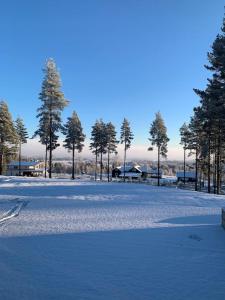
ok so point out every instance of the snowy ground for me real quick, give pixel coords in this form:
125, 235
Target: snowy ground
61, 239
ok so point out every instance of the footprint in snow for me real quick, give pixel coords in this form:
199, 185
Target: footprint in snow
195, 237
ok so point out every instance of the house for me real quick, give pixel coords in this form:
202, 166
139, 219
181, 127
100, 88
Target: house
133, 172
190, 176
147, 171
136, 172
27, 168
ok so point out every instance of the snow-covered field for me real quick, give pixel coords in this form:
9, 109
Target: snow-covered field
61, 239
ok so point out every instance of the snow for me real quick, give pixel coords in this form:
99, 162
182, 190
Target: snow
63, 239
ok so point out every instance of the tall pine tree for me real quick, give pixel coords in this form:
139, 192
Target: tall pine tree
8, 136
22, 137
53, 103
74, 137
158, 138
126, 137
111, 143
185, 137
95, 143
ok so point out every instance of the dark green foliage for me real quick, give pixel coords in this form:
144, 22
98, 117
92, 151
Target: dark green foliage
158, 138
49, 114
22, 137
111, 142
126, 137
74, 137
98, 143
8, 136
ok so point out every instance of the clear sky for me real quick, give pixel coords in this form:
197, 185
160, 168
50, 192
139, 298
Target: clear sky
116, 58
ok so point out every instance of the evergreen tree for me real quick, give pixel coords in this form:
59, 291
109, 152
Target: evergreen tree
196, 140
53, 103
126, 136
95, 145
158, 138
22, 137
111, 142
185, 137
102, 135
74, 137
43, 133
8, 136
212, 101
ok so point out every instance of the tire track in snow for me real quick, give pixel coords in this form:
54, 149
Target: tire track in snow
14, 211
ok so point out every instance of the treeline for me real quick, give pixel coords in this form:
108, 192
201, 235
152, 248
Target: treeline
103, 135
204, 135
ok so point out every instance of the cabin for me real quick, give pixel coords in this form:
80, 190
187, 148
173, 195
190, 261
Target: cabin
136, 172
190, 176
148, 172
133, 172
27, 168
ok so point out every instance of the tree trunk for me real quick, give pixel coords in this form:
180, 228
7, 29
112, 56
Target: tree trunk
218, 185
50, 147
96, 162
196, 170
108, 165
20, 159
46, 159
184, 165
101, 166
158, 183
209, 165
73, 162
124, 161
214, 173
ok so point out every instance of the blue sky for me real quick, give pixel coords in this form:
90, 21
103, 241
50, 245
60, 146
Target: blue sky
116, 58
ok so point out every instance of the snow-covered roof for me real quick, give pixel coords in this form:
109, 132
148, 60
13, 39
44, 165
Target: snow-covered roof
149, 170
129, 168
24, 163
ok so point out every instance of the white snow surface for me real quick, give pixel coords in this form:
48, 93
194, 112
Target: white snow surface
63, 239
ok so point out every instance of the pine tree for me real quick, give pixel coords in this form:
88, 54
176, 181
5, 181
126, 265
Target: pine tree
111, 142
74, 137
8, 136
95, 145
185, 137
213, 109
126, 137
53, 103
196, 140
102, 143
22, 137
42, 132
158, 138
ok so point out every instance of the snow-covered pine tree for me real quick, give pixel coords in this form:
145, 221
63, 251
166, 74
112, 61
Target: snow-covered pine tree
102, 143
95, 145
42, 132
126, 136
98, 144
196, 139
22, 137
8, 136
158, 138
74, 137
111, 143
53, 103
185, 137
